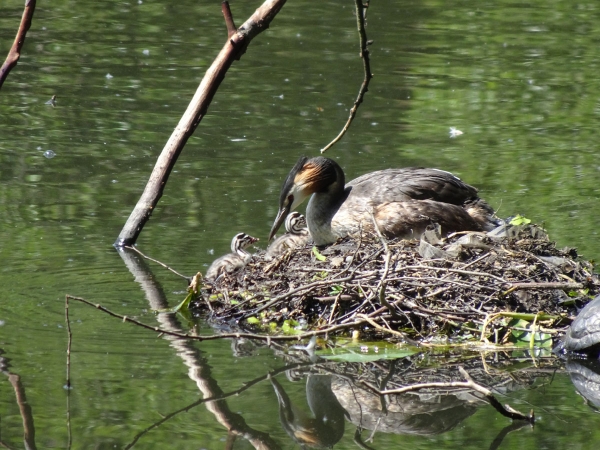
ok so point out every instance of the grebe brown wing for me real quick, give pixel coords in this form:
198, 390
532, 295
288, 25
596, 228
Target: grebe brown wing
416, 215
411, 183
408, 219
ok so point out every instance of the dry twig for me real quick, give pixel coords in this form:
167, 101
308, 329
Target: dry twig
505, 410
364, 53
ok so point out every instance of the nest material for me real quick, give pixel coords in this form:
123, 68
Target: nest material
434, 286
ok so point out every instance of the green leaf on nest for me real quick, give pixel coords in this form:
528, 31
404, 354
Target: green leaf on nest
317, 254
520, 220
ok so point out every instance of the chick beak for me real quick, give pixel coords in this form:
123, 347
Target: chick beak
281, 215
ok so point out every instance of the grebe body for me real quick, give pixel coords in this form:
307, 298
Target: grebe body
402, 201
233, 261
297, 236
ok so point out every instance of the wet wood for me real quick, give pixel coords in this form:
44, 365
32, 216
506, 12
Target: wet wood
234, 48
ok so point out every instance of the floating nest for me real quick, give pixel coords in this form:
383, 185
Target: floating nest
468, 286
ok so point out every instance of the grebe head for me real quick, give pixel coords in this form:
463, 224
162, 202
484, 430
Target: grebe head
308, 176
241, 241
295, 223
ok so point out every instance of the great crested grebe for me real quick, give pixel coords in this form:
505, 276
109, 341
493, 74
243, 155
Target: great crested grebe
297, 236
402, 201
232, 261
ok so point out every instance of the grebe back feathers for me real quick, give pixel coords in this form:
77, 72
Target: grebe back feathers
403, 201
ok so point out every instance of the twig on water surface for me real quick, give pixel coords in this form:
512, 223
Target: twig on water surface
69, 339
505, 410
212, 337
364, 53
130, 247
14, 53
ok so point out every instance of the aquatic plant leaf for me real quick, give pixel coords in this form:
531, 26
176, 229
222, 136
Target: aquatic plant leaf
522, 337
366, 352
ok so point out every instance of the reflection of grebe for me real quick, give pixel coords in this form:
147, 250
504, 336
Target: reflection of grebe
232, 261
402, 201
297, 236
326, 428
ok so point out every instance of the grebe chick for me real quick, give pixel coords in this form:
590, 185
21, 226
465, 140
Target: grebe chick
402, 201
297, 236
235, 260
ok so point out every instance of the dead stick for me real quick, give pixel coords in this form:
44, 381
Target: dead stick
364, 53
69, 339
295, 291
195, 112
459, 271
507, 412
386, 330
139, 252
226, 10
15, 51
212, 337
388, 256
543, 285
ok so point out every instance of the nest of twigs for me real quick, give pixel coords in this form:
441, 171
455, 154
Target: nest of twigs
466, 285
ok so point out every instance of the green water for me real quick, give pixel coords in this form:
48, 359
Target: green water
520, 81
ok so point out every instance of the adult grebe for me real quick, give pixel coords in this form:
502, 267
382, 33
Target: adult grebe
402, 201
297, 236
232, 261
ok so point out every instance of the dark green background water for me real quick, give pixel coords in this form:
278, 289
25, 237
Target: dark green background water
520, 80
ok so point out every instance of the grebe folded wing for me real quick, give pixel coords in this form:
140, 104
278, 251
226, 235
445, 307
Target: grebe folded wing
399, 199
411, 183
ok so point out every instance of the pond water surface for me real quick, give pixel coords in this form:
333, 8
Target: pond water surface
519, 80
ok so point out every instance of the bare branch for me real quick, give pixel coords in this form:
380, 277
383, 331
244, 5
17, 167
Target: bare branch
233, 49
15, 51
364, 54
231, 28
189, 279
506, 411
259, 337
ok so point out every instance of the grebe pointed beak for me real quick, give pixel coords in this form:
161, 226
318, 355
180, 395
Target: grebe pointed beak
281, 215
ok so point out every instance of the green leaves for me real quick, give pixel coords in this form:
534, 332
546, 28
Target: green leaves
522, 335
520, 220
366, 352
317, 254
